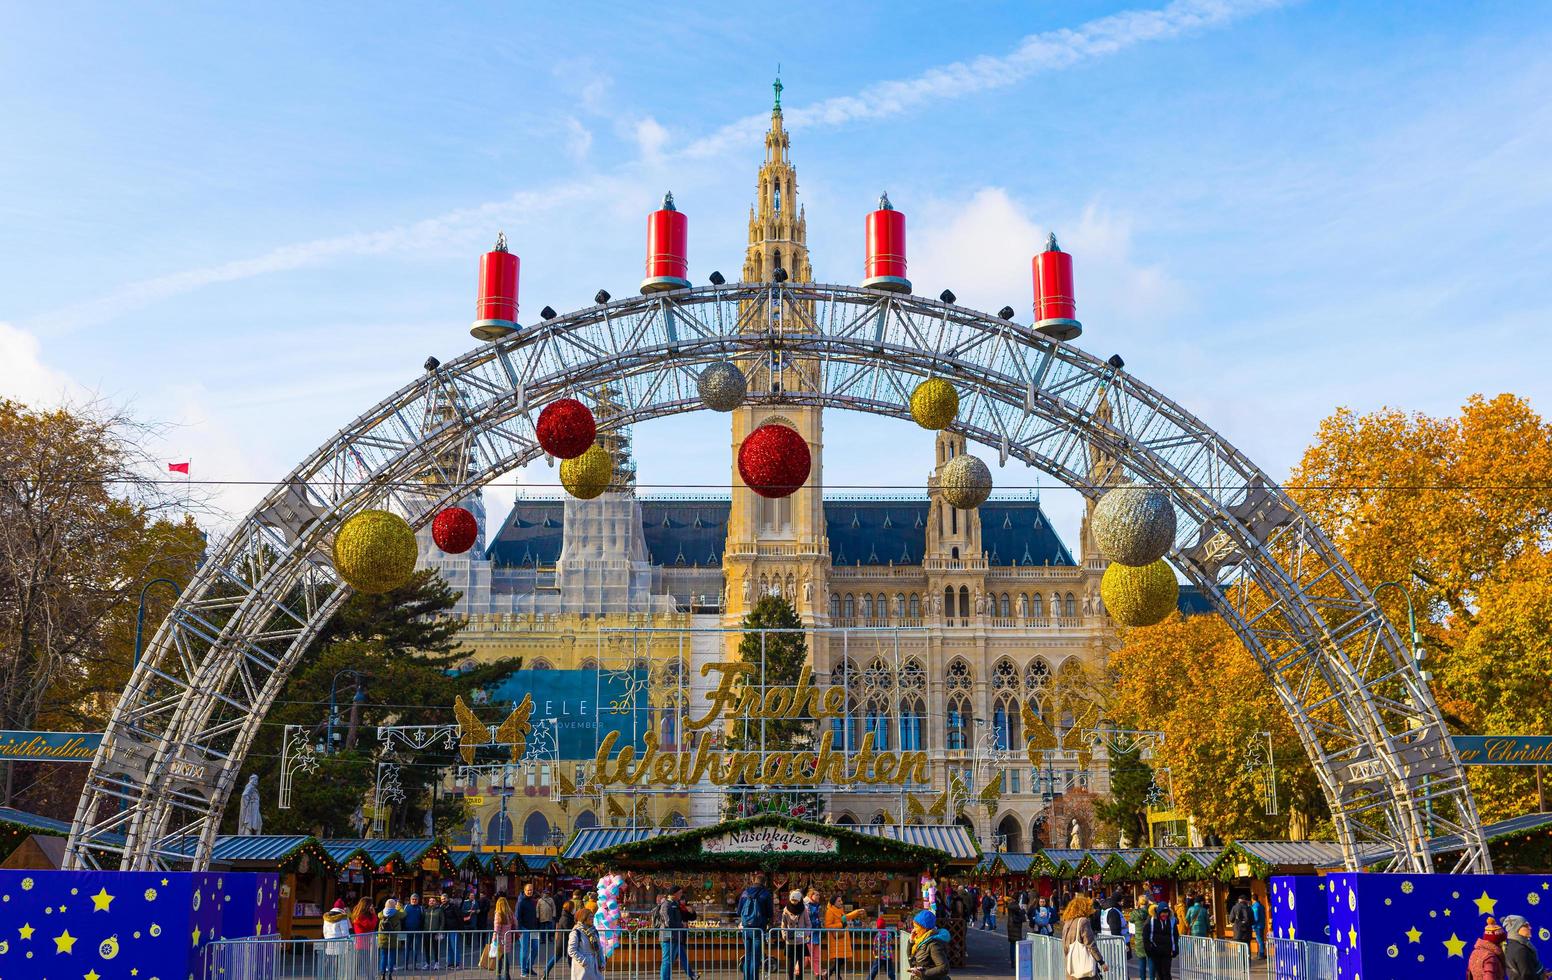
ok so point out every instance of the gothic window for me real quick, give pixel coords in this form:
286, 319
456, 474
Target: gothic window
1070, 606
1037, 676
953, 522
541, 665
959, 676
586, 819
851, 606
912, 676
877, 722
498, 833
913, 716
778, 199
536, 829
899, 605
964, 602
1002, 732
879, 819
915, 606
953, 552
1005, 606
589, 664
1037, 606
835, 605
878, 676
959, 722
882, 605
867, 607
778, 264
948, 601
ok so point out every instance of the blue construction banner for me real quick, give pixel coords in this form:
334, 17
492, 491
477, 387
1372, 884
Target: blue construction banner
580, 707
49, 746
1504, 750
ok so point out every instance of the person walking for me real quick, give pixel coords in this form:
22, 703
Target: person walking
584, 950
1042, 918
1198, 917
436, 942
503, 923
363, 922
670, 921
883, 948
838, 923
1487, 957
1016, 928
547, 911
1521, 961
452, 931
1241, 920
815, 912
414, 923
755, 911
988, 911
527, 931
794, 933
929, 948
1080, 953
1138, 920
390, 928
1161, 942
1258, 923
565, 921
337, 946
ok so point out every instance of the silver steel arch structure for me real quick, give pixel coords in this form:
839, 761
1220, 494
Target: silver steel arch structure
177, 738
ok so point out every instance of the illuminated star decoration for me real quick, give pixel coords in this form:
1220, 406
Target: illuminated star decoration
64, 942
1352, 936
91, 975
26, 930
1414, 935
196, 935
1485, 905
101, 901
1454, 945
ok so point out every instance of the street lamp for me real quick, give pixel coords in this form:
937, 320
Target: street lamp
1418, 653
140, 612
359, 698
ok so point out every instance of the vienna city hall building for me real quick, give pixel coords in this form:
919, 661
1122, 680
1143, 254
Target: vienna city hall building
941, 624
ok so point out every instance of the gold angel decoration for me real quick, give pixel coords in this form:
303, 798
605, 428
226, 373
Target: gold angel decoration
615, 809
1039, 738
914, 808
567, 787
473, 733
939, 806
992, 794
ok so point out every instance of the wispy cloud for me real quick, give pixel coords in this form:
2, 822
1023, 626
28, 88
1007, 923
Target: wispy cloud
1046, 51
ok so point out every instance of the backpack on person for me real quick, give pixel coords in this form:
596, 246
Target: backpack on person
751, 908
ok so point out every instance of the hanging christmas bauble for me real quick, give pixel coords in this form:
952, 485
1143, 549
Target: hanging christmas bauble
722, 386
934, 404
1134, 524
1139, 596
374, 552
589, 474
566, 428
454, 530
965, 482
773, 460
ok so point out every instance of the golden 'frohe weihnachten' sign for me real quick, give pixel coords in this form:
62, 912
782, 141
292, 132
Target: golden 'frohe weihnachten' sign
737, 699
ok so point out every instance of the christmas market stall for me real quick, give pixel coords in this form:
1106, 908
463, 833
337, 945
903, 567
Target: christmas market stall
1247, 867
390, 868
493, 872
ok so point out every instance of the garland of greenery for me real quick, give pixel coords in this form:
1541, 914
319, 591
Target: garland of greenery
681, 851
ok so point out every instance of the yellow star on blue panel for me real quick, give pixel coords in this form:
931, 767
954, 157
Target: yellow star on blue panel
1352, 936
1485, 905
1290, 932
91, 975
64, 942
196, 935
101, 901
1414, 935
1454, 945
26, 930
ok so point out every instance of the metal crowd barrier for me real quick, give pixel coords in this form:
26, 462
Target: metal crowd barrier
711, 953
1298, 959
1205, 958
1042, 958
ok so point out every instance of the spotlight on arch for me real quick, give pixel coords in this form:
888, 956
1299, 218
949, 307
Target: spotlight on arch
716, 279
431, 364
601, 297
1006, 312
780, 275
548, 313
947, 296
1116, 362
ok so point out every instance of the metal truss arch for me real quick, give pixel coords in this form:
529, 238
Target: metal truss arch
177, 737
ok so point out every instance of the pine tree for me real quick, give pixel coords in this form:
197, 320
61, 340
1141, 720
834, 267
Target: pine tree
778, 659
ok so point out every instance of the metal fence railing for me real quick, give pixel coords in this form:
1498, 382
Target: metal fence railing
644, 953
1297, 959
1042, 958
1204, 958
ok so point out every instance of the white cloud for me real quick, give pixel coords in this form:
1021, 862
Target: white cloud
579, 139
651, 137
23, 375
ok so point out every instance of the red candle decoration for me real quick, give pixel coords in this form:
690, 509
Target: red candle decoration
774, 460
566, 428
1056, 310
884, 267
495, 308
668, 237
454, 530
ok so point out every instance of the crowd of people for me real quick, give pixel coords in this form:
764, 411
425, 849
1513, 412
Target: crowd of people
1505, 951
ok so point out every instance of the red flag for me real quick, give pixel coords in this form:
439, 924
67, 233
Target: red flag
178, 468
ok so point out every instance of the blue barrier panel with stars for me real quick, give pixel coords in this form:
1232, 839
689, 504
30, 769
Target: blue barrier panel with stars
1299, 908
126, 925
1402, 927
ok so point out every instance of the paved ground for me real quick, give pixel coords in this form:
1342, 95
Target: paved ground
988, 958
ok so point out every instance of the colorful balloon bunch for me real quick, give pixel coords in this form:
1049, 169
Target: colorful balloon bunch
607, 920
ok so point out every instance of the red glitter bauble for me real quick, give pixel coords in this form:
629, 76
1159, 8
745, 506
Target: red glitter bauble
566, 428
774, 460
454, 530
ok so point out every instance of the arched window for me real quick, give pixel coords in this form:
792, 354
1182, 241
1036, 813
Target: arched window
881, 603
964, 602
879, 819
540, 665
675, 819
1005, 722
847, 820
953, 524
867, 607
1070, 606
536, 830
1006, 606
1012, 834
1036, 606
1004, 675
958, 723
915, 606
835, 605
954, 552
586, 819
948, 602
1037, 676
899, 605
851, 606
913, 717
498, 833
877, 722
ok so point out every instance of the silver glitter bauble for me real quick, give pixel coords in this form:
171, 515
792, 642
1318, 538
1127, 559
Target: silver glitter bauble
965, 482
1134, 524
722, 386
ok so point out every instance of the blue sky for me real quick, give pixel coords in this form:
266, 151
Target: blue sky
254, 221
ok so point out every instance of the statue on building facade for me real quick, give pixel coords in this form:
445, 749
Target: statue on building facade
980, 603
250, 821
1074, 834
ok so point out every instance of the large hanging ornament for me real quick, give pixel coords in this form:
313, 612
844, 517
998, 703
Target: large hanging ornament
589, 474
566, 428
722, 386
374, 552
1134, 524
965, 482
1139, 596
454, 530
773, 460
934, 404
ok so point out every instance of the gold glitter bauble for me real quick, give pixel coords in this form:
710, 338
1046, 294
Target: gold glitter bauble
1139, 596
965, 482
374, 552
934, 404
589, 474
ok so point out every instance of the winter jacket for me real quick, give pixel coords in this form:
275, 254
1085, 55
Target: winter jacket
839, 938
546, 910
1521, 960
414, 918
1159, 939
452, 917
1487, 961
587, 958
364, 927
527, 913
566, 921
815, 921
1199, 920
1080, 931
1139, 919
1241, 919
1016, 923
929, 956
668, 919
336, 925
794, 925
389, 925
433, 919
